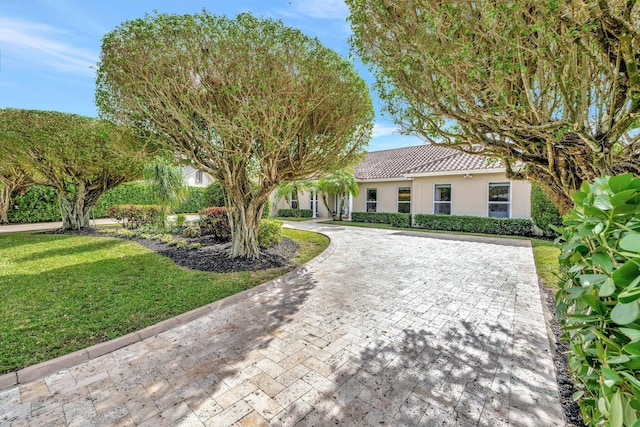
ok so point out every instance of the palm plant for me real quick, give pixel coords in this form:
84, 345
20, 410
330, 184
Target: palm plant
288, 188
341, 183
165, 182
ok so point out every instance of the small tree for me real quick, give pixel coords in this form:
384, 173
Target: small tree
79, 157
287, 189
166, 184
249, 101
341, 183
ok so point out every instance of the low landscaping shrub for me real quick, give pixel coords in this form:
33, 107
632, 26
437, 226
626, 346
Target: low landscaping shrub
134, 216
372, 217
213, 195
295, 213
37, 204
598, 300
402, 220
543, 212
269, 233
474, 224
215, 222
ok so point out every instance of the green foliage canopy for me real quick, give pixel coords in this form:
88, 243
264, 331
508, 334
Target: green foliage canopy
553, 85
78, 156
244, 99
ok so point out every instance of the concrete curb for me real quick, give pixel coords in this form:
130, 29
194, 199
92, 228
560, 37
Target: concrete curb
52, 366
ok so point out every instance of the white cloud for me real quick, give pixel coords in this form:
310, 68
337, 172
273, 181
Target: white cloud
325, 9
32, 42
380, 129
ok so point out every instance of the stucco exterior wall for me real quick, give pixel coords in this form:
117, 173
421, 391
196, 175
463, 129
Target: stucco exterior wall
469, 196
304, 200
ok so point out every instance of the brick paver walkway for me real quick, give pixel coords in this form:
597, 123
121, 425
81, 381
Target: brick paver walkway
392, 329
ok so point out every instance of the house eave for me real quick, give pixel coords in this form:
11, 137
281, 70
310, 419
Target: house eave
395, 179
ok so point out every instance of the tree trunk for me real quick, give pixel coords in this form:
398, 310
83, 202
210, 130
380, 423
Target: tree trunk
245, 222
325, 202
6, 198
75, 206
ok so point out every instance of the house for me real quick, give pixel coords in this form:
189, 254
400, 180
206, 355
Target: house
195, 178
430, 179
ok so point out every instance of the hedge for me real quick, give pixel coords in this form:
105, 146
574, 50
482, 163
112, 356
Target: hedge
474, 224
543, 212
295, 213
599, 299
469, 224
40, 204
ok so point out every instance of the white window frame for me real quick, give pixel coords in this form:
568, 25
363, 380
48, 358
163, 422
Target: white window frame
440, 202
367, 201
508, 202
398, 202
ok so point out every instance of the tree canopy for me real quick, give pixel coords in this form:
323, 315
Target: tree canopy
245, 99
549, 85
80, 157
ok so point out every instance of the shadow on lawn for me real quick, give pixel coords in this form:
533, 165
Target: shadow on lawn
75, 249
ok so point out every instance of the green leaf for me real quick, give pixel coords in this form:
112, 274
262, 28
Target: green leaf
633, 334
616, 410
626, 274
578, 197
618, 359
607, 289
592, 279
620, 183
603, 202
632, 348
628, 296
633, 380
577, 395
623, 314
630, 243
620, 198
602, 260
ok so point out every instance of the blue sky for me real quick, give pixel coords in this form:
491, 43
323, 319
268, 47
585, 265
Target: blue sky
49, 48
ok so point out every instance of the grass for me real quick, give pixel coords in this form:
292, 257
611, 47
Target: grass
290, 218
545, 255
62, 293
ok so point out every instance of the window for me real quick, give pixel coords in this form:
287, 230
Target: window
442, 199
500, 200
294, 200
404, 199
198, 177
372, 199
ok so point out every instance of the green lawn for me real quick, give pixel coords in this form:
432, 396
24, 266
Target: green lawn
61, 293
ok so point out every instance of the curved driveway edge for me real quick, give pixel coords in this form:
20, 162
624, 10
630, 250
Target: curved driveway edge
393, 329
48, 367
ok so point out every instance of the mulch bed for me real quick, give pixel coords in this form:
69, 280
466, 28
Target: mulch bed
211, 256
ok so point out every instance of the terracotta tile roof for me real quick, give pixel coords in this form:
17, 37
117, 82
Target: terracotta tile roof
397, 162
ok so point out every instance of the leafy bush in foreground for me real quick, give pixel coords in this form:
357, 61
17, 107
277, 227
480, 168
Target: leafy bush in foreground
599, 299
269, 233
134, 216
215, 222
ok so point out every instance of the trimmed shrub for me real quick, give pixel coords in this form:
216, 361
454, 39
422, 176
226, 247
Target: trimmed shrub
402, 220
372, 217
214, 195
266, 211
543, 212
269, 233
215, 222
134, 216
194, 202
295, 213
131, 193
598, 301
474, 224
37, 204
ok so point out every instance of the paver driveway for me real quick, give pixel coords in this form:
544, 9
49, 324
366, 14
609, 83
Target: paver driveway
392, 329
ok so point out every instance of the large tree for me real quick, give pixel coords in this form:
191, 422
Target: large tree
250, 101
80, 157
13, 180
549, 85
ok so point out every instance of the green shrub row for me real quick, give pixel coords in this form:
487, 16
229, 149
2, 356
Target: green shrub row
474, 224
295, 213
393, 218
134, 216
40, 204
598, 300
468, 224
544, 213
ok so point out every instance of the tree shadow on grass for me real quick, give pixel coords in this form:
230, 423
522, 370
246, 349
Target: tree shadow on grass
75, 249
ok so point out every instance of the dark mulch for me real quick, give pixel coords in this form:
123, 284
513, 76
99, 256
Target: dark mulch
572, 415
211, 256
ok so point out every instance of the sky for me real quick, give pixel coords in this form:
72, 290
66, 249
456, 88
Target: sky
49, 48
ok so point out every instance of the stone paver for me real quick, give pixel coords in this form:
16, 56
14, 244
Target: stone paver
392, 328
